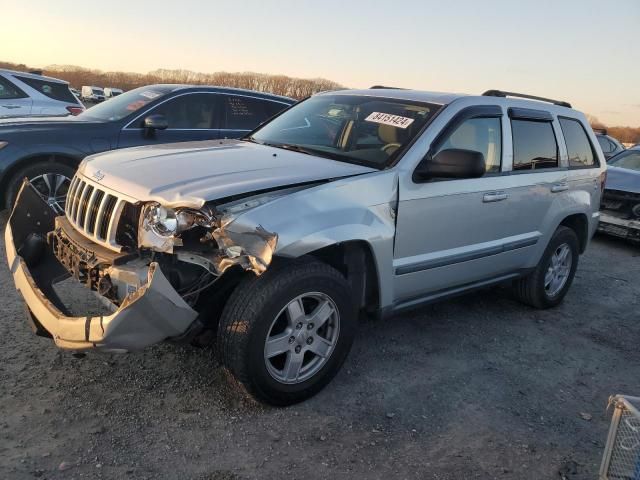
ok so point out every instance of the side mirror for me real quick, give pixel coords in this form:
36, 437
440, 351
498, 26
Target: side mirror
451, 163
157, 121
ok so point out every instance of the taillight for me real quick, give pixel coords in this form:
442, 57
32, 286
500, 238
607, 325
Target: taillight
603, 180
75, 110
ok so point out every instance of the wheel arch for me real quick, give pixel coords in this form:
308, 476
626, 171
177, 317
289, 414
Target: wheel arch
356, 261
12, 170
579, 223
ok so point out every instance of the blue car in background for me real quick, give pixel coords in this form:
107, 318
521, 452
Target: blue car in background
620, 207
47, 150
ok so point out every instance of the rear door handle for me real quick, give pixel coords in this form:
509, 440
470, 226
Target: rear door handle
494, 197
559, 187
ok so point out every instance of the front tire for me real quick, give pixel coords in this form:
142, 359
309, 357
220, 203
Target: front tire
51, 181
284, 335
547, 285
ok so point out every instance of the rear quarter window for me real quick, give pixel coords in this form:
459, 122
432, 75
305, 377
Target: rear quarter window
579, 147
54, 90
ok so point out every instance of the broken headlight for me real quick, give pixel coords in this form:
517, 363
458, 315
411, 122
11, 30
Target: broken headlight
162, 220
168, 222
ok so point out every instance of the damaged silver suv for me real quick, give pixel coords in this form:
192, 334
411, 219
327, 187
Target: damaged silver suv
350, 202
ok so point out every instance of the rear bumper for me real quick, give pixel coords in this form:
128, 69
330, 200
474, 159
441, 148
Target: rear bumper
619, 227
147, 316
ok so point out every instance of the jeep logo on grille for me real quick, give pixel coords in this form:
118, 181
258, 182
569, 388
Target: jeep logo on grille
98, 175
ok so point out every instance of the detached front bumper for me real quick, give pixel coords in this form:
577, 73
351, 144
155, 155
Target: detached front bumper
619, 227
147, 316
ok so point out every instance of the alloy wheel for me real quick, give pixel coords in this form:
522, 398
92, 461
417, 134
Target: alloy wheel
302, 337
558, 270
52, 188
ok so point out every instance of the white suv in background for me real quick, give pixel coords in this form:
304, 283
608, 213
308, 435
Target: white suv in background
24, 94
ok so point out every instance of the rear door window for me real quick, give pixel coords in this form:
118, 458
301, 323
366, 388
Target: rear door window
534, 145
54, 90
246, 113
578, 144
9, 91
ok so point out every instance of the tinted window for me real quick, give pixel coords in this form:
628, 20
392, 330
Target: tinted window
8, 90
244, 113
55, 90
534, 145
578, 145
629, 159
482, 135
191, 111
605, 144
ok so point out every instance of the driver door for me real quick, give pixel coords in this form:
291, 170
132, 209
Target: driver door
191, 116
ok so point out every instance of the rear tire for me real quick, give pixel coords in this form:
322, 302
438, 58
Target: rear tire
39, 172
547, 285
267, 339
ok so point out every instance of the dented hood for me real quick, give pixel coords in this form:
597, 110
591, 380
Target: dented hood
192, 173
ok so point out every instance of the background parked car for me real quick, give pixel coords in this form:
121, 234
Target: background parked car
75, 91
620, 215
610, 145
110, 92
23, 94
47, 151
92, 94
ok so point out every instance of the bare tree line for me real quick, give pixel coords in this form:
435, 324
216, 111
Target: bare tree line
279, 84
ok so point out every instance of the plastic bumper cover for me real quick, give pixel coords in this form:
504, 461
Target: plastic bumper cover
153, 313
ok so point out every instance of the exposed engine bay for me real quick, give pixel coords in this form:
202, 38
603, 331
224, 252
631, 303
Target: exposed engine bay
193, 248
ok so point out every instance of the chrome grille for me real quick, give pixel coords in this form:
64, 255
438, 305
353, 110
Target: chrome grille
94, 212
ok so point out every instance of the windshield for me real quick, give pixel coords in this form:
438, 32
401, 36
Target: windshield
369, 131
629, 159
97, 91
119, 107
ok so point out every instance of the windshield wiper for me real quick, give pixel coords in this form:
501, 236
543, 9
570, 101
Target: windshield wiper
292, 147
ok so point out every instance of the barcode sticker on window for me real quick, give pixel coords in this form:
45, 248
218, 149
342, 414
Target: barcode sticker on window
388, 119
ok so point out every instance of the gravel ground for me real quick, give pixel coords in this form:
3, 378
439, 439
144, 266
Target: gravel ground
477, 387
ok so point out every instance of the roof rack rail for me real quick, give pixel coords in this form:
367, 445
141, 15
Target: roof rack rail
500, 93
377, 87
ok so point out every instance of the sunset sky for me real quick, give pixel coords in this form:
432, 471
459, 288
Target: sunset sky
582, 51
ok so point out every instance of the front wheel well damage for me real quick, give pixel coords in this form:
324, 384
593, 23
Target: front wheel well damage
352, 259
355, 260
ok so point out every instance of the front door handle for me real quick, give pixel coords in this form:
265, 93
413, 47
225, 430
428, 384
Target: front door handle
494, 197
559, 187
